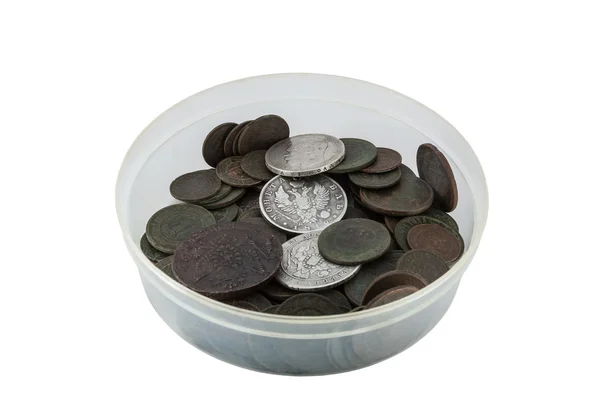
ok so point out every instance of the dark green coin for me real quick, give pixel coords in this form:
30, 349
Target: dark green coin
390, 222
251, 213
262, 133
260, 221
402, 228
271, 310
359, 154
423, 263
245, 305
308, 305
166, 265
409, 196
223, 191
150, 252
230, 172
355, 288
391, 280
277, 291
175, 223
391, 295
196, 186
213, 147
337, 297
442, 216
435, 169
231, 136
248, 202
353, 212
253, 164
226, 214
232, 197
375, 181
354, 241
258, 300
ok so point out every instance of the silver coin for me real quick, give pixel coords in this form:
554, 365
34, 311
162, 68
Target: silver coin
305, 155
303, 268
302, 205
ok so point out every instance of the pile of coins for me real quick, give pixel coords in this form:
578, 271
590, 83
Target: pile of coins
306, 225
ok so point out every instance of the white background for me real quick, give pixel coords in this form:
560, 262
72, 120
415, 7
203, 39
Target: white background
79, 81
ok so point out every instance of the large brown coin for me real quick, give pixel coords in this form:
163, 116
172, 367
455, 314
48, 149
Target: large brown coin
212, 149
234, 134
278, 292
234, 195
405, 224
433, 237
308, 305
410, 196
260, 221
391, 280
196, 186
359, 154
253, 164
227, 260
392, 295
422, 263
435, 169
387, 160
375, 181
263, 133
230, 172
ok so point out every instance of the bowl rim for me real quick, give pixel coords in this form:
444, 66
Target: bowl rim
431, 291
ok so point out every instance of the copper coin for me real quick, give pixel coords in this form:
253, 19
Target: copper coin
375, 181
404, 225
422, 263
260, 221
234, 195
442, 216
236, 140
196, 186
308, 305
231, 136
392, 295
224, 190
253, 164
226, 214
391, 280
435, 169
230, 172
278, 292
410, 196
337, 297
272, 309
263, 133
358, 155
387, 160
404, 169
251, 213
150, 252
248, 202
212, 148
437, 239
165, 265
257, 299
390, 222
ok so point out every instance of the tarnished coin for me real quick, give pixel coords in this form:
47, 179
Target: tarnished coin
251, 213
392, 295
244, 305
226, 214
359, 154
422, 263
165, 265
300, 205
353, 212
227, 260
236, 140
354, 241
375, 181
278, 292
435, 169
263, 133
230, 172
150, 252
248, 202
409, 196
260, 221
224, 190
387, 160
253, 164
390, 222
404, 225
338, 298
308, 305
231, 136
305, 155
257, 299
234, 195
442, 216
272, 309
433, 237
406, 170
355, 288
196, 186
391, 280
213, 147
303, 267
357, 309
175, 223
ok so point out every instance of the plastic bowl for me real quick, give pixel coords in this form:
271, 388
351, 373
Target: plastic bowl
171, 145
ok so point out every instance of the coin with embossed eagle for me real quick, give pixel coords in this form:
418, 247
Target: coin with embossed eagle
302, 205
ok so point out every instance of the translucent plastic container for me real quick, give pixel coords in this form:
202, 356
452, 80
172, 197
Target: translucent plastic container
171, 145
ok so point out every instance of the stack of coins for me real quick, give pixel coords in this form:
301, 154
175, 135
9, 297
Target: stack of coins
307, 225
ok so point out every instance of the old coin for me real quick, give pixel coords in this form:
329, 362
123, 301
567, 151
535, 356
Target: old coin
231, 136
375, 181
226, 214
404, 169
227, 260
251, 213
353, 212
175, 223
435, 169
442, 216
392, 295
387, 160
165, 265
236, 140
404, 225
253, 164
257, 299
357, 309
234, 195
230, 172
390, 222
359, 154
196, 186
409, 196
213, 147
355, 288
422, 263
272, 309
338, 298
391, 280
260, 221
308, 305
224, 190
433, 237
278, 292
305, 155
245, 305
248, 202
354, 241
263, 133
300, 205
303, 267
150, 252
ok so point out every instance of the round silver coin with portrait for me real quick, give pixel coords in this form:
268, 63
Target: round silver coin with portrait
305, 155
